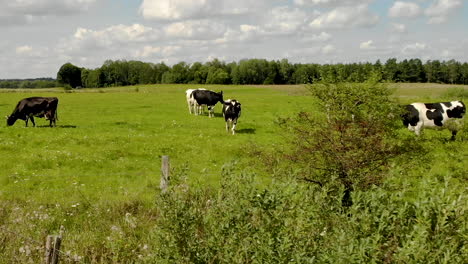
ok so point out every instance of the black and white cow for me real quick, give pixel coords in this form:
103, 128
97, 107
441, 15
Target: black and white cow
31, 107
193, 107
231, 113
421, 115
208, 98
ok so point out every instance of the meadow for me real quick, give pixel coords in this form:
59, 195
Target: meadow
97, 173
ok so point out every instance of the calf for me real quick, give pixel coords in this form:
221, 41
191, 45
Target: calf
30, 107
208, 98
421, 115
231, 112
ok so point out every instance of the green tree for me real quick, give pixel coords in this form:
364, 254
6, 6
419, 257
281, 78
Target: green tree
217, 76
434, 71
454, 71
69, 74
391, 70
199, 72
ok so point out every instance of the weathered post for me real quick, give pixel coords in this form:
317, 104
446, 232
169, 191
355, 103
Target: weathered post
56, 250
165, 169
48, 250
53, 248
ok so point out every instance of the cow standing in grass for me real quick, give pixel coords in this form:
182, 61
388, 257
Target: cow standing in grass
231, 113
208, 98
192, 104
438, 115
31, 107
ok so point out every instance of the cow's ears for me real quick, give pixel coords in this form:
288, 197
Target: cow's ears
221, 92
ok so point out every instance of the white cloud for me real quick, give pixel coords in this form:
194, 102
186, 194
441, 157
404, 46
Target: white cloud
322, 37
414, 49
439, 11
117, 34
150, 51
330, 3
177, 9
195, 9
367, 45
24, 49
242, 34
195, 29
345, 17
285, 20
404, 9
26, 11
398, 28
321, 31
328, 49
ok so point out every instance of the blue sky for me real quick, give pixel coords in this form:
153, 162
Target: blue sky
38, 36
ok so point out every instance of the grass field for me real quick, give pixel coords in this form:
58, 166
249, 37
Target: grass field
107, 145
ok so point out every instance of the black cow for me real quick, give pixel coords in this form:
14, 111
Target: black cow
30, 107
208, 98
420, 115
231, 112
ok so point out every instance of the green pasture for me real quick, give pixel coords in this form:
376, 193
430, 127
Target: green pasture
97, 174
110, 141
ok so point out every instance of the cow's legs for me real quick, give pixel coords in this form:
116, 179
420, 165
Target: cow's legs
32, 121
53, 119
454, 133
418, 128
210, 110
227, 126
234, 127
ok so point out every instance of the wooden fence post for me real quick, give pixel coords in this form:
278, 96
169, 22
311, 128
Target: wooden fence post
48, 250
165, 170
53, 248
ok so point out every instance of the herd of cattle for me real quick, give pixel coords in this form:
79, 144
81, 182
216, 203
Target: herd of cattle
416, 117
197, 99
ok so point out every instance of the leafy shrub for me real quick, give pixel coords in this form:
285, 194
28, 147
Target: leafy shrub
351, 142
288, 221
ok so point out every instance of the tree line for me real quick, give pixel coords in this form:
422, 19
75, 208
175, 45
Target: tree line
29, 83
249, 71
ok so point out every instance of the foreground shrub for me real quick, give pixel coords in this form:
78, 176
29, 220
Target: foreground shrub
292, 222
403, 221
350, 142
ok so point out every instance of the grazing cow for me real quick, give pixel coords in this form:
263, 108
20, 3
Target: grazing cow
420, 115
231, 112
30, 107
208, 98
192, 104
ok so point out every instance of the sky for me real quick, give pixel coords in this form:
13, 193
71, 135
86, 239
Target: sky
39, 36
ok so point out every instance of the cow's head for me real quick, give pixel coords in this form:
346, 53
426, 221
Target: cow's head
11, 120
234, 104
457, 110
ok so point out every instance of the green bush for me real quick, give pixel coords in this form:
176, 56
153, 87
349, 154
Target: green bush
242, 222
288, 221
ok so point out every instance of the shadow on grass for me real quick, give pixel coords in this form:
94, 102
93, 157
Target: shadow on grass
214, 114
58, 126
246, 131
